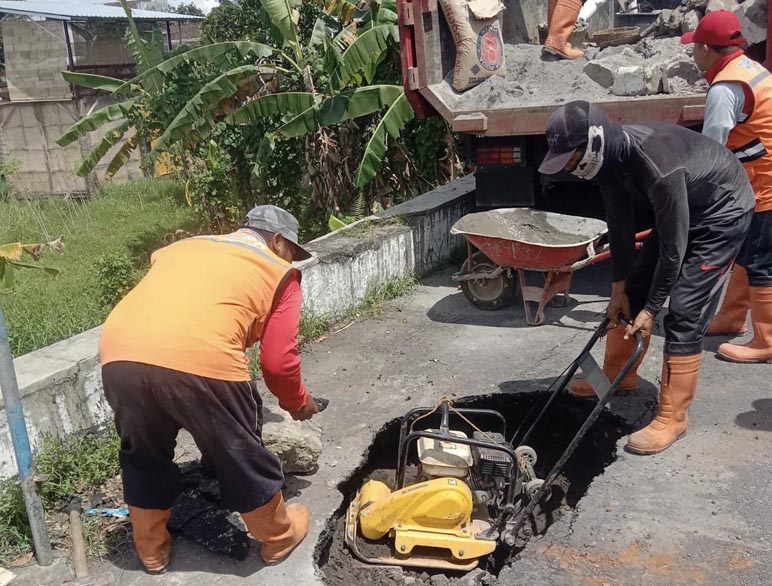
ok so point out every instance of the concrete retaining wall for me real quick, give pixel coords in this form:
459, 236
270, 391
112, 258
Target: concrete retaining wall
61, 385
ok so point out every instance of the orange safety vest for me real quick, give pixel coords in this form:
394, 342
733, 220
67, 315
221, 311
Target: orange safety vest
751, 139
203, 302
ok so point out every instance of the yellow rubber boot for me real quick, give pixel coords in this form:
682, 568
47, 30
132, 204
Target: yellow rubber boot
676, 391
732, 318
280, 528
151, 538
561, 25
618, 352
759, 349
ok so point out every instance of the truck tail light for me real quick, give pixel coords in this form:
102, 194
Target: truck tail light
498, 155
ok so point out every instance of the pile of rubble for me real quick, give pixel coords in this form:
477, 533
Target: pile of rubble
751, 13
653, 66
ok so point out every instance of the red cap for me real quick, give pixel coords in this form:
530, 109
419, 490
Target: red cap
717, 29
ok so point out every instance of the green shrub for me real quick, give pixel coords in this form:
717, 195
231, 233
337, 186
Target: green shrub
116, 275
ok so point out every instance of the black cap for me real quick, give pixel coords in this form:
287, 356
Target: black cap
566, 132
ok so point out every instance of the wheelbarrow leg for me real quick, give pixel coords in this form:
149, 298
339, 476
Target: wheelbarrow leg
556, 283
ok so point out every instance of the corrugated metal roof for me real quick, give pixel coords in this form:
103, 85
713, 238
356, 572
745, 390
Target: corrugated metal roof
82, 10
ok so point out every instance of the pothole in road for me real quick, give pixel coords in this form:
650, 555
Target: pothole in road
596, 451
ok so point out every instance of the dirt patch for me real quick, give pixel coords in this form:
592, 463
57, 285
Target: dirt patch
593, 455
535, 81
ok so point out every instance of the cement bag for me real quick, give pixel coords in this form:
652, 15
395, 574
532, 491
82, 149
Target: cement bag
479, 47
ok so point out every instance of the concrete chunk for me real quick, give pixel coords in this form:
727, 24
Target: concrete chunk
690, 21
297, 444
714, 5
753, 19
637, 81
601, 72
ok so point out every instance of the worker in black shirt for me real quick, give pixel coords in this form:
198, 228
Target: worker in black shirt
702, 203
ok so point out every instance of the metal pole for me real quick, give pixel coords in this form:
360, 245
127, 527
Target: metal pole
169, 35
21, 448
70, 58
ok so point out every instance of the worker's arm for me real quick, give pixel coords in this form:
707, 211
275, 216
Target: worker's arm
669, 197
723, 110
620, 218
279, 356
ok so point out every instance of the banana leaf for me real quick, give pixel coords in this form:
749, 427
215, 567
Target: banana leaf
284, 104
367, 49
392, 124
123, 155
95, 82
95, 120
110, 139
280, 13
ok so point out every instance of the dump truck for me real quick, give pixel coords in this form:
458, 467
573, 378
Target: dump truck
506, 136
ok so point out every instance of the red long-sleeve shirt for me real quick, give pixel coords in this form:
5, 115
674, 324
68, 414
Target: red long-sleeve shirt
279, 356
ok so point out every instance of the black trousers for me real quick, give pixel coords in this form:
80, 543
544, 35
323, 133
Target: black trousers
152, 404
756, 253
711, 250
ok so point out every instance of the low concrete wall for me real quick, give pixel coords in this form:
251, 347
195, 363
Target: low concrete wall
61, 385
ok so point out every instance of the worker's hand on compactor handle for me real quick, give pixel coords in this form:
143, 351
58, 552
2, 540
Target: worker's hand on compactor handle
644, 323
619, 304
307, 411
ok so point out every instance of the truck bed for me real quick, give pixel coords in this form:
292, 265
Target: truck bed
521, 103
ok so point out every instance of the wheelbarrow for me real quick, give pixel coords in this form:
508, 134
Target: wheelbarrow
524, 241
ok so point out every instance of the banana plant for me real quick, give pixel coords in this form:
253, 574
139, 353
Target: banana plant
11, 258
351, 40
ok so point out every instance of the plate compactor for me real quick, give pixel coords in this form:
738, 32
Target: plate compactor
475, 489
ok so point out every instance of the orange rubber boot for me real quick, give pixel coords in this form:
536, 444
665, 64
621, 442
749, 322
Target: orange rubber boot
618, 352
732, 318
561, 24
151, 538
759, 349
280, 528
676, 391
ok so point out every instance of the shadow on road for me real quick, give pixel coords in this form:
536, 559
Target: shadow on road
760, 419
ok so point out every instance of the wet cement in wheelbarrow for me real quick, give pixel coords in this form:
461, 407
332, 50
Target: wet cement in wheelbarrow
596, 451
534, 228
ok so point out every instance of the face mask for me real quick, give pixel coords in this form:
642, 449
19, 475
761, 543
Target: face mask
592, 160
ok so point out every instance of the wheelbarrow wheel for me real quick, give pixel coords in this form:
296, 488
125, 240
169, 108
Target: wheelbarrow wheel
488, 294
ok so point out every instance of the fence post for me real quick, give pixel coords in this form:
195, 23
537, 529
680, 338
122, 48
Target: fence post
21, 447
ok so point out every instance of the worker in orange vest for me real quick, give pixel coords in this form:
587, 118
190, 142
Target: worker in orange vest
561, 19
173, 356
738, 113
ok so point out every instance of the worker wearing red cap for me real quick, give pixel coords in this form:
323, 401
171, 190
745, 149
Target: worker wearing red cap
738, 113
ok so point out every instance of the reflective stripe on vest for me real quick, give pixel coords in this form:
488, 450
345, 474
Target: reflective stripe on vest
751, 151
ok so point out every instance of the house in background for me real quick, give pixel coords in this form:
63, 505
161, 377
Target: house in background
40, 40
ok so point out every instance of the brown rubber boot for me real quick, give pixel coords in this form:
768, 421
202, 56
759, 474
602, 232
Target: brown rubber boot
280, 528
618, 352
759, 349
676, 391
151, 538
561, 25
732, 318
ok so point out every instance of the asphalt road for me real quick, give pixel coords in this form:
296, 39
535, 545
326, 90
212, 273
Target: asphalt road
698, 513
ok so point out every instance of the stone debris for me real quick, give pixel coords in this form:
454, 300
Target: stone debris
298, 444
653, 66
753, 19
714, 5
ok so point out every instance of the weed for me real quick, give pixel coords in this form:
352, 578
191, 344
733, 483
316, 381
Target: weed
72, 466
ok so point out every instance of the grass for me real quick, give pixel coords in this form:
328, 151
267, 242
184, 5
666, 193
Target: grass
73, 466
128, 221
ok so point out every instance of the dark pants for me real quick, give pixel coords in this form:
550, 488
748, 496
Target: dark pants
152, 404
756, 254
693, 299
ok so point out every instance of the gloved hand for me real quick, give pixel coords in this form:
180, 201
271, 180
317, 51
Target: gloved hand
307, 411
